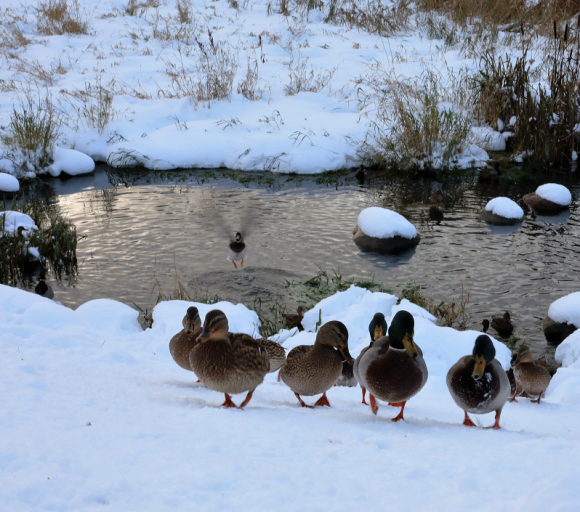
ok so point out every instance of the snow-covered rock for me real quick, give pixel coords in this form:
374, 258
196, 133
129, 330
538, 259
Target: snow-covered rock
502, 211
8, 183
13, 220
71, 162
568, 352
383, 230
555, 193
563, 318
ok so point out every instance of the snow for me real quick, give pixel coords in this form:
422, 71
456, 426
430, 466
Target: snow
568, 352
488, 138
504, 207
566, 309
13, 220
384, 223
8, 183
71, 162
99, 414
558, 194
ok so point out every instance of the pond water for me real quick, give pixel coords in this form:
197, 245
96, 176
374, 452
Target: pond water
143, 227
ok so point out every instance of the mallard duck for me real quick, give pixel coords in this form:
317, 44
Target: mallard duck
436, 197
393, 369
531, 377
294, 320
485, 174
377, 328
237, 250
361, 174
502, 324
485, 324
183, 342
313, 369
435, 213
478, 384
228, 363
43, 289
276, 353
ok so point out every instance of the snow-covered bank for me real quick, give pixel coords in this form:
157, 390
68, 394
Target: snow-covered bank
97, 413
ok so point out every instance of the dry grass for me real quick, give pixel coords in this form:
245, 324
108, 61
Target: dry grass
415, 126
58, 17
136, 8
302, 79
34, 71
247, 86
210, 79
34, 131
184, 11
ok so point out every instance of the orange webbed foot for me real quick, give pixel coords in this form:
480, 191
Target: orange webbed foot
228, 402
302, 402
400, 416
247, 399
279, 374
234, 264
495, 426
323, 400
374, 406
467, 421
364, 392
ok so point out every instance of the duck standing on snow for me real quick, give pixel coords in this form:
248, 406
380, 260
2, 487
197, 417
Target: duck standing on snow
43, 289
237, 250
478, 384
313, 369
228, 363
530, 377
294, 320
183, 342
377, 329
393, 369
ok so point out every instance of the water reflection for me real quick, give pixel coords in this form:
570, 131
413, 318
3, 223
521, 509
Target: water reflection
147, 226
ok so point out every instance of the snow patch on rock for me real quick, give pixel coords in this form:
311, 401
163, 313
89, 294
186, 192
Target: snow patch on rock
558, 194
566, 309
384, 223
504, 207
8, 183
70, 161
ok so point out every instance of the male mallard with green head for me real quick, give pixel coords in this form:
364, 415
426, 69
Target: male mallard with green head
229, 363
478, 384
313, 369
183, 342
393, 369
530, 377
377, 328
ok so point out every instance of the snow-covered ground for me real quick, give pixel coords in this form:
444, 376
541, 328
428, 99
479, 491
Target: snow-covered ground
120, 89
96, 415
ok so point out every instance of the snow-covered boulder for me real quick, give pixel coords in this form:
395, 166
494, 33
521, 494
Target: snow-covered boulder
14, 220
70, 162
563, 318
568, 352
549, 198
8, 183
502, 211
383, 230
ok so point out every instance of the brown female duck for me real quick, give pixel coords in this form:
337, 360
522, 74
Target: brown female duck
502, 324
530, 377
478, 383
377, 329
183, 342
294, 320
229, 363
313, 369
393, 369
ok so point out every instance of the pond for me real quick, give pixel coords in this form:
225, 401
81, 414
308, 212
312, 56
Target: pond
145, 227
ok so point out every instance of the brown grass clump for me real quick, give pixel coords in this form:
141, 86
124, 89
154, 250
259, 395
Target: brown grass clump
58, 17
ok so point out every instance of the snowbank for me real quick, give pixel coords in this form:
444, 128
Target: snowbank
568, 352
384, 223
558, 194
14, 220
488, 138
123, 426
8, 183
504, 207
71, 162
566, 309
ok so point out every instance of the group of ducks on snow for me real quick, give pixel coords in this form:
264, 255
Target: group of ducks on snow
391, 368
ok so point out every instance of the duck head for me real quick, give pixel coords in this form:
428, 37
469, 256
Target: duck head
523, 356
238, 238
215, 326
485, 323
483, 353
378, 326
401, 333
191, 320
335, 334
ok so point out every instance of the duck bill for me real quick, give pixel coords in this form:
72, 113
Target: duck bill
189, 328
204, 336
378, 332
516, 361
410, 345
479, 368
346, 354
